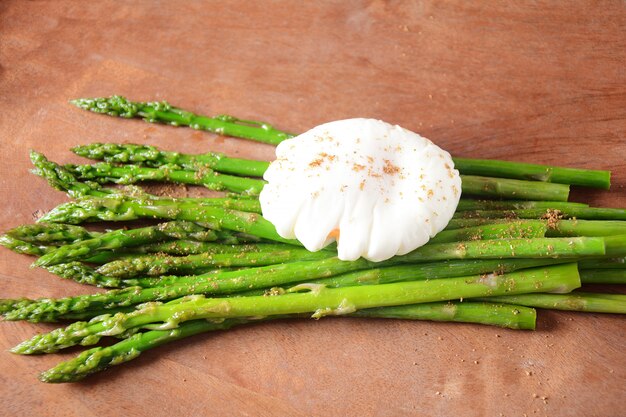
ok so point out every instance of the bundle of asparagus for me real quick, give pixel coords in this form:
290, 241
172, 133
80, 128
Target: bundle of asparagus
215, 263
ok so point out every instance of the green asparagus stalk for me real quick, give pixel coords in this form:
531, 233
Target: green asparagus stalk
61, 179
50, 233
469, 204
508, 230
162, 265
153, 157
158, 265
524, 171
384, 275
121, 239
431, 270
513, 189
470, 185
614, 246
554, 228
587, 213
320, 300
262, 132
587, 228
100, 358
577, 301
277, 275
105, 172
603, 276
125, 208
162, 112
501, 315
83, 274
231, 244
557, 226
603, 263
191, 247
214, 283
457, 222
121, 208
25, 248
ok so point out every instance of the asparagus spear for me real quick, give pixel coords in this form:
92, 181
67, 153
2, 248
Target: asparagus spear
61, 179
123, 238
192, 247
383, 275
502, 315
320, 300
587, 228
83, 274
603, 263
577, 301
50, 233
508, 230
161, 265
124, 208
104, 172
469, 204
513, 189
162, 112
557, 227
282, 274
231, 244
587, 213
603, 276
154, 157
262, 132
100, 358
431, 270
151, 156
26, 248
121, 208
524, 171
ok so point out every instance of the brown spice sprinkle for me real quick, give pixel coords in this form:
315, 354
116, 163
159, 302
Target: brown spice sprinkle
319, 161
390, 168
358, 167
552, 216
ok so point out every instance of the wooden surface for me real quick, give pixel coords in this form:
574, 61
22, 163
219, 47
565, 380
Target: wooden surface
540, 81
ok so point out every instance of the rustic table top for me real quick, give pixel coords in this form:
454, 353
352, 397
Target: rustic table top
541, 81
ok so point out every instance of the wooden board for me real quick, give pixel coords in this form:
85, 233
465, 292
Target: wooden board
541, 81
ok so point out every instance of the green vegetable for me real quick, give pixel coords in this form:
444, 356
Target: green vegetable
124, 238
104, 172
603, 276
122, 208
282, 274
100, 358
577, 301
319, 300
262, 132
158, 265
524, 171
151, 156
162, 112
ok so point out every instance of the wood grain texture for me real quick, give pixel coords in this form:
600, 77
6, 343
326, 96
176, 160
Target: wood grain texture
529, 81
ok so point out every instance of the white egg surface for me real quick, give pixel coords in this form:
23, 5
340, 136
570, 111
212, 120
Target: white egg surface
377, 189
